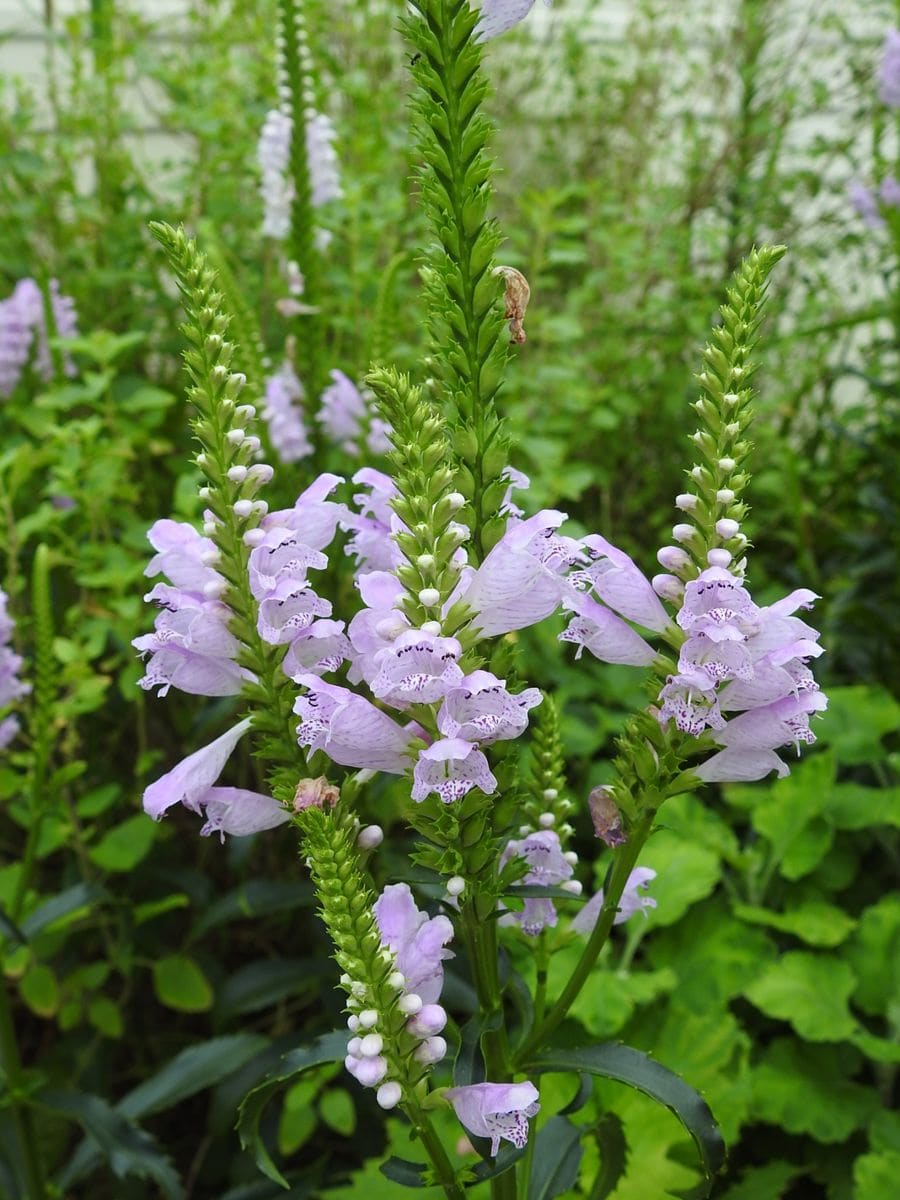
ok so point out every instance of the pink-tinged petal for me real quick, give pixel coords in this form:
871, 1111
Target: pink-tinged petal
194, 776
349, 729
621, 584
323, 646
480, 709
496, 1110
607, 636
239, 813
451, 768
719, 661
380, 589
417, 668
800, 598
499, 16
740, 766
633, 900
282, 558
314, 519
288, 610
180, 548
417, 941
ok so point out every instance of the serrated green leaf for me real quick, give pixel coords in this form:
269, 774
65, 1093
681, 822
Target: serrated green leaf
874, 954
331, 1047
810, 991
557, 1156
856, 720
685, 873
609, 1134
180, 984
807, 1089
613, 1060
875, 1176
764, 1183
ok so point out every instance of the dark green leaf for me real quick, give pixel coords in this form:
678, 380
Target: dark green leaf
609, 1133
256, 898
193, 1070
129, 1149
557, 1157
61, 905
331, 1047
581, 1097
627, 1065
407, 1174
468, 1067
261, 984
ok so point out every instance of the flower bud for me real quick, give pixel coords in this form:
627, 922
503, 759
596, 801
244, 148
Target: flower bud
368, 1018
547, 820
252, 443
204, 493
571, 858
253, 537
410, 1004
672, 558
370, 837
370, 1071
456, 885
371, 1045
432, 1050
669, 587
726, 528
425, 562
396, 980
389, 1094
572, 885
430, 1020
550, 794
243, 508
430, 597
724, 495
315, 793
237, 474
456, 500
432, 627
719, 557
245, 412
726, 464
606, 818
353, 1023
686, 501
682, 533
261, 473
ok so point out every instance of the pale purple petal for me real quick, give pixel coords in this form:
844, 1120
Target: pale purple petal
621, 584
496, 1110
417, 668
194, 776
632, 900
349, 729
417, 941
498, 16
288, 610
451, 768
607, 636
482, 710
238, 812
283, 556
323, 646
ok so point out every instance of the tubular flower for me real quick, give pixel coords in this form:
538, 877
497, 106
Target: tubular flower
273, 155
283, 414
633, 900
547, 867
497, 16
23, 332
349, 729
451, 768
481, 710
496, 1110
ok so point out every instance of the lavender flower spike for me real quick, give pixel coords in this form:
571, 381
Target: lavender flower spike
190, 782
11, 687
889, 75
496, 1110
497, 16
547, 867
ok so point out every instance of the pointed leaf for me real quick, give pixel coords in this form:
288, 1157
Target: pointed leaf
609, 1133
627, 1065
407, 1174
557, 1157
329, 1048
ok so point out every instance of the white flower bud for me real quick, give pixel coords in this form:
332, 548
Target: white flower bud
260, 473
719, 557
353, 1046
733, 429
204, 493
253, 537
566, 830
201, 460
456, 885
524, 830
430, 597
370, 837
261, 507
245, 412
550, 794
686, 501
237, 474
243, 508
668, 587
389, 1094
726, 528
410, 1004
396, 980
359, 989
724, 495
432, 1050
572, 885
371, 1045
571, 857
252, 443
697, 473
672, 557
432, 627
429, 1021
425, 562
353, 1023
456, 500
682, 533
209, 528
547, 820
731, 398
368, 1018
344, 979
726, 464
235, 436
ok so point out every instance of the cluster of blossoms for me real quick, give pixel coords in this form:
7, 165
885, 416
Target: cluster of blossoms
346, 417
874, 206
417, 945
283, 414
889, 74
11, 686
273, 156
23, 332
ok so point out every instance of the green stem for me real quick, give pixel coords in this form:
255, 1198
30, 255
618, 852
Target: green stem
434, 1147
12, 1070
624, 864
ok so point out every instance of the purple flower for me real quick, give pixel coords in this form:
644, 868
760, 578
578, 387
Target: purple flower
273, 154
280, 562
190, 647
620, 584
192, 780
865, 204
751, 739
239, 813
633, 900
289, 610
889, 192
372, 544
417, 941
691, 702
718, 605
889, 75
547, 867
607, 637
322, 160
283, 413
314, 518
497, 16
496, 1110
11, 687
180, 555
23, 331
349, 729
482, 710
321, 647
376, 626
342, 412
520, 582
451, 768
417, 668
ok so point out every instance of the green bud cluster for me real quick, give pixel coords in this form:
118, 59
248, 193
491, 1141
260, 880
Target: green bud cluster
546, 786
464, 311
244, 321
427, 501
346, 907
713, 509
227, 459
297, 100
